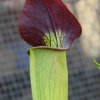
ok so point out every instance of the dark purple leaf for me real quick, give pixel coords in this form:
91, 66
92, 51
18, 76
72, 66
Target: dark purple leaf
41, 18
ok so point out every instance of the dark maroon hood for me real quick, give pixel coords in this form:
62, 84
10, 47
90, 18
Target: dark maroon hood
45, 16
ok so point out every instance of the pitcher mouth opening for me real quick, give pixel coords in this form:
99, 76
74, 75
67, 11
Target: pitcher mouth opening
46, 47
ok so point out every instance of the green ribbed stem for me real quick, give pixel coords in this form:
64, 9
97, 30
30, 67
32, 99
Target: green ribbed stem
48, 74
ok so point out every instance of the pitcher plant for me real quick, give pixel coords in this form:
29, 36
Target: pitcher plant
50, 28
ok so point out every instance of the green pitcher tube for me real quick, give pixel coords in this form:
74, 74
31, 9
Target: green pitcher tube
48, 73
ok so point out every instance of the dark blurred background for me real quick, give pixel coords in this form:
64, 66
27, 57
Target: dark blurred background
84, 77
